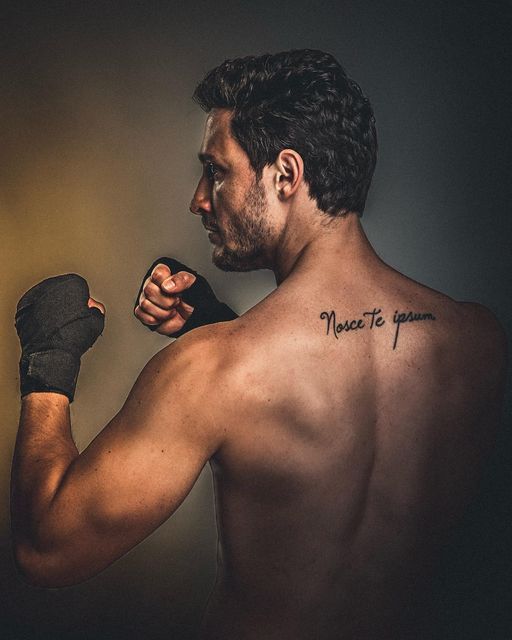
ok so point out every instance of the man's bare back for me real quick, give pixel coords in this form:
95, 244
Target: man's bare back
346, 460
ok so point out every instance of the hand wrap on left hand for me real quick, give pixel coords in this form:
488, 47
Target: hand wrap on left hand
55, 326
208, 309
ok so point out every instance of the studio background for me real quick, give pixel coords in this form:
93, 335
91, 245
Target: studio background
98, 143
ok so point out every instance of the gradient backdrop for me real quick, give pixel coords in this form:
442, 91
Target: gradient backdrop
98, 138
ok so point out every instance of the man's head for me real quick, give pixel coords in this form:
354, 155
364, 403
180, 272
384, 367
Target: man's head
297, 107
231, 201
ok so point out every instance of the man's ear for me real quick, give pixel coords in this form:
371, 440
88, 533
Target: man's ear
289, 174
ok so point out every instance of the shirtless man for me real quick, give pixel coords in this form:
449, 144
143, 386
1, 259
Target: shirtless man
345, 417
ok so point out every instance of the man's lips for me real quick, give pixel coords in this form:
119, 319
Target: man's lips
213, 234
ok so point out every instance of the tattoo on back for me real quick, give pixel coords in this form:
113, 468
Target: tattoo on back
370, 320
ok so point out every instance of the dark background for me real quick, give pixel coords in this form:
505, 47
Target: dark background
98, 138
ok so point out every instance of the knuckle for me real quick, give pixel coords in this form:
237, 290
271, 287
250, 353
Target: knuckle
145, 305
147, 319
160, 271
166, 305
164, 331
149, 287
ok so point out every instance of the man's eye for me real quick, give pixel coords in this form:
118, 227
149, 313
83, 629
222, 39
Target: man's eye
211, 171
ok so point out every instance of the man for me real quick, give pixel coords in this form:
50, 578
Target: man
345, 417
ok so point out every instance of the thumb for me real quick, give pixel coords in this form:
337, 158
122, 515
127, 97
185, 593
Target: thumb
178, 282
160, 273
98, 305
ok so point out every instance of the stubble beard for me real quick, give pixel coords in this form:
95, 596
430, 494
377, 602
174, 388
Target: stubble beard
249, 230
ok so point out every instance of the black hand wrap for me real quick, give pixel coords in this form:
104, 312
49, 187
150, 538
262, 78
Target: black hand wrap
207, 308
55, 327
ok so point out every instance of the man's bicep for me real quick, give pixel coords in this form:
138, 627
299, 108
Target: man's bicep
142, 465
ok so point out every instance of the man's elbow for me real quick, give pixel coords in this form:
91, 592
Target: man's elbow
44, 569
30, 565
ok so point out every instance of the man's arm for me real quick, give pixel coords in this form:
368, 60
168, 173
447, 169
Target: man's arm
73, 515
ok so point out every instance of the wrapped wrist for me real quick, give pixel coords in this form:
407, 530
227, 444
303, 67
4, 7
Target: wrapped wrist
52, 370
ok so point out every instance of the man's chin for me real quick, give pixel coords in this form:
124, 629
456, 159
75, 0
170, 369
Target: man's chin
231, 262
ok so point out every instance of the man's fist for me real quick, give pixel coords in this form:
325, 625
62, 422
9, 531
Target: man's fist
160, 304
57, 321
174, 299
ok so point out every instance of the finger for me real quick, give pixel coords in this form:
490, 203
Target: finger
154, 294
160, 273
174, 324
94, 303
185, 310
171, 326
145, 318
178, 282
156, 312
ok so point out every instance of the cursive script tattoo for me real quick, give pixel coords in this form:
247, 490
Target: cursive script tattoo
399, 318
351, 325
370, 320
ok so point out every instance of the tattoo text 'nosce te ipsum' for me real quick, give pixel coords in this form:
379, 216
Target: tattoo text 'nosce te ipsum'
370, 320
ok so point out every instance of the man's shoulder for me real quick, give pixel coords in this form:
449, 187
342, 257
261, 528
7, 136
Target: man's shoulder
213, 349
471, 322
486, 338
199, 369
228, 353
485, 322
203, 344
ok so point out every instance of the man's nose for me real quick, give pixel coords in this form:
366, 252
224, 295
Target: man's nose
201, 201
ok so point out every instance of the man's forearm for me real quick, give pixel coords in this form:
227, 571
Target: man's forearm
43, 452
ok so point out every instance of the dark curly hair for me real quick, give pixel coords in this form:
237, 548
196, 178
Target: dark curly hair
303, 100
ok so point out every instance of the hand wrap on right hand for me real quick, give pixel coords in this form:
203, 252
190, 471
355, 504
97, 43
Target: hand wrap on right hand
207, 308
55, 327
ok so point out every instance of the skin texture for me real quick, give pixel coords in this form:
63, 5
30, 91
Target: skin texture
241, 218
340, 463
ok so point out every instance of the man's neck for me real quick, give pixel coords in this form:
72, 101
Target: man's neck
341, 239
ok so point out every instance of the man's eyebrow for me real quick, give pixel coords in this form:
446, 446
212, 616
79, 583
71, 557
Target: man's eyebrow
205, 157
